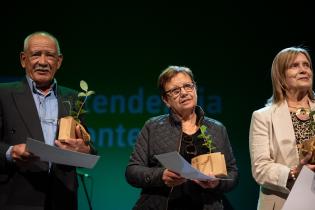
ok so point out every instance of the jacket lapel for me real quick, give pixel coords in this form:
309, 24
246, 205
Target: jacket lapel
63, 105
65, 102
284, 132
25, 104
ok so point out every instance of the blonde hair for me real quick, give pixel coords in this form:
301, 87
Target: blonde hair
280, 64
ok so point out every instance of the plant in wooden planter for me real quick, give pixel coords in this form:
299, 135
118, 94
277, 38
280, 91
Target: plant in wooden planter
68, 124
308, 146
211, 162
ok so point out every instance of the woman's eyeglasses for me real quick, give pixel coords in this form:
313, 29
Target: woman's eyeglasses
174, 92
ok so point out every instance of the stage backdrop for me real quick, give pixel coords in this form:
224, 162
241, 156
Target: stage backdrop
120, 51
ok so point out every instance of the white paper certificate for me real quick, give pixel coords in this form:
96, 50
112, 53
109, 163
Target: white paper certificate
175, 162
302, 195
56, 155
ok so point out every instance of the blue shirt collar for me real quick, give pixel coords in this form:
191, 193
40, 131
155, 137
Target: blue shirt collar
34, 89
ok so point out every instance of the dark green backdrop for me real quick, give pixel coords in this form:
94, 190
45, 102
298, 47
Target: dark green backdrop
121, 49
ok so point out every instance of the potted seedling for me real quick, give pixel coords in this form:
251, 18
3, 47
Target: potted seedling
68, 124
212, 162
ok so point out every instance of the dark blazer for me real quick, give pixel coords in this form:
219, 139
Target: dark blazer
32, 187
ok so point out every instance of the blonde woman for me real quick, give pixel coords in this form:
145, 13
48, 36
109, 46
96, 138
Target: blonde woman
277, 129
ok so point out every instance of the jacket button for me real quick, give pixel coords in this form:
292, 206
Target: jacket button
147, 179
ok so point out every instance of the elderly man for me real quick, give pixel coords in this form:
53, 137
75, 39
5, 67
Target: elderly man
31, 108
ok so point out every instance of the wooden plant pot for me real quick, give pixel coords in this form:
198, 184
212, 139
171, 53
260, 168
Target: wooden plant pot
306, 147
67, 127
210, 163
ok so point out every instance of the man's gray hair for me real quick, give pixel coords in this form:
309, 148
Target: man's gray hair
43, 33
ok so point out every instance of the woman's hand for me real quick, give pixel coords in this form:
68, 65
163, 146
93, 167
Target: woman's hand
210, 184
294, 172
305, 161
172, 179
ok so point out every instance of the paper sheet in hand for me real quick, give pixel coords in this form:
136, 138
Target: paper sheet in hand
175, 162
302, 194
56, 155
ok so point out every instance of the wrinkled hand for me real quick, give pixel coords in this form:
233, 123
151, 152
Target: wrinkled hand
172, 179
77, 144
208, 184
21, 155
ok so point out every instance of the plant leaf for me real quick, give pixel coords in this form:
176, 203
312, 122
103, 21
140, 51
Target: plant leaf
83, 111
82, 94
78, 104
84, 86
90, 92
203, 128
73, 113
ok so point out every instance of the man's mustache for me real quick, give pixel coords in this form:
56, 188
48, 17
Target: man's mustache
42, 69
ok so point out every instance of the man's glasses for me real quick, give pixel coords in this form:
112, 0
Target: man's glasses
174, 92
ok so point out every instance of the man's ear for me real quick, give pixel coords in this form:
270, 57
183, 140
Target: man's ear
22, 59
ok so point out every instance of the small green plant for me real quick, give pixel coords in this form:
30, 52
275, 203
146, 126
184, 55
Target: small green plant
206, 138
82, 97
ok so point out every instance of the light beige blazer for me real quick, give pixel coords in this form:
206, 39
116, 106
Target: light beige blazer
273, 152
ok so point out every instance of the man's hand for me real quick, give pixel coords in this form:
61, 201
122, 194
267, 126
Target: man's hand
77, 144
172, 179
21, 155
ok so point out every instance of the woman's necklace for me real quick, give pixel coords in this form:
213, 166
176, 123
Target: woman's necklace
302, 113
